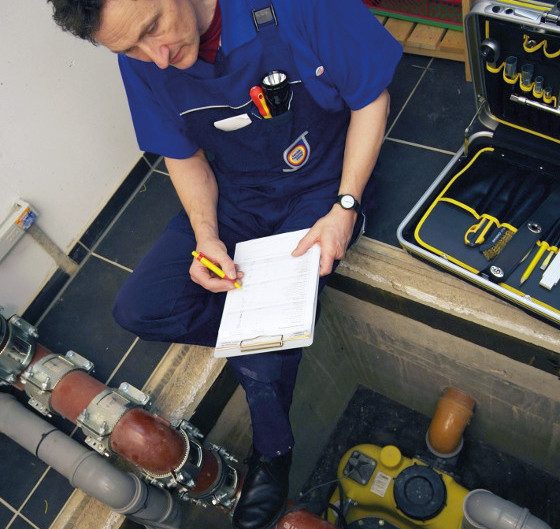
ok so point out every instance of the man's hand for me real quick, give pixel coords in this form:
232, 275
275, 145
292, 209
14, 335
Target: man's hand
333, 233
215, 250
196, 186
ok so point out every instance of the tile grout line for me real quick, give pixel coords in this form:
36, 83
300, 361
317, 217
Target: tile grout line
145, 158
125, 205
122, 360
409, 96
110, 261
98, 242
18, 512
420, 146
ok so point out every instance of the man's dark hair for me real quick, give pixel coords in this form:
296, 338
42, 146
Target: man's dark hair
79, 17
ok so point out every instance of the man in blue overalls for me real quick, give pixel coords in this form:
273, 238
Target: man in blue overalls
240, 175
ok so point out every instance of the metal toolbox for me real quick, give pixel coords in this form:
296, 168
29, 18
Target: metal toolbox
492, 216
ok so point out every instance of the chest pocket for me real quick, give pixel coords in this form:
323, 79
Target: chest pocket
259, 146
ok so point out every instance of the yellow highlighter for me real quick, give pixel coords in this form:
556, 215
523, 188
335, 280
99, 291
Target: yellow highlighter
213, 267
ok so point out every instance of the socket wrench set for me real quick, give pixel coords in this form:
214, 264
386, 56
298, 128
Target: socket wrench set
492, 216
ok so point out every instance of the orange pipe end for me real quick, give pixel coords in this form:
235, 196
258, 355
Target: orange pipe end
453, 413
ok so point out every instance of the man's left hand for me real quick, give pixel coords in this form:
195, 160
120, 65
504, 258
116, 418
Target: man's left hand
333, 233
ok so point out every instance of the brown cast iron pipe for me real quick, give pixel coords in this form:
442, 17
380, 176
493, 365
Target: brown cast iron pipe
144, 439
73, 394
148, 441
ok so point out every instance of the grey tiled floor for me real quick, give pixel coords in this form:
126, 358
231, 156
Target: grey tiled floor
431, 105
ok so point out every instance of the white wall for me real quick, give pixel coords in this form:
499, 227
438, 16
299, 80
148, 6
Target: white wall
66, 138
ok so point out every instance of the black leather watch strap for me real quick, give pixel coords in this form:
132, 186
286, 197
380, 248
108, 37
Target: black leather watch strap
348, 202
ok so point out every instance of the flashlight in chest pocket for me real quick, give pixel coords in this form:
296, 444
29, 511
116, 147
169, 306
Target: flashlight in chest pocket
277, 91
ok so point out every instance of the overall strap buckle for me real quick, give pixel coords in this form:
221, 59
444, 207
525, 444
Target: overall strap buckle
264, 17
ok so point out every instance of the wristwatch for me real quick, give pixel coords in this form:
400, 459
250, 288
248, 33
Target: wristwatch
348, 202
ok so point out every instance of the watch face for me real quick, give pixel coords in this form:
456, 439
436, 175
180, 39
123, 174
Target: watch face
347, 201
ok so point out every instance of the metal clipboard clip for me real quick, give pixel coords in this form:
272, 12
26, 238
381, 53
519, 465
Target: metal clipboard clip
262, 342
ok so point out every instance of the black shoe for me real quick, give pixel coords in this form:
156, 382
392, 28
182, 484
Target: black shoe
264, 492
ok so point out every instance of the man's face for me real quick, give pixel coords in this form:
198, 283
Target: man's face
166, 32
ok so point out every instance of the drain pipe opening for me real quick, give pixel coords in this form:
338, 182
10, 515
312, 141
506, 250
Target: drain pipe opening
485, 510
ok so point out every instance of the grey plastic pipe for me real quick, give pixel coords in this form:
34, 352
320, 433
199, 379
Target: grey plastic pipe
484, 510
122, 492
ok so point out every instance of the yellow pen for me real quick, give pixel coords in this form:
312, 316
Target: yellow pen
533, 263
213, 267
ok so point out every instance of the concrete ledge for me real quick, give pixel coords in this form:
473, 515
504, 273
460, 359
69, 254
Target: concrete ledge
390, 277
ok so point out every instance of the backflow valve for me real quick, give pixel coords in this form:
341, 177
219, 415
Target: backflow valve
168, 455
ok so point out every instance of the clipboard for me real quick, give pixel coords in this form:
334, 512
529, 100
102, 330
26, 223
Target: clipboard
275, 308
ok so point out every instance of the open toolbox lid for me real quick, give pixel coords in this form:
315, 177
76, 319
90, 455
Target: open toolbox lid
514, 54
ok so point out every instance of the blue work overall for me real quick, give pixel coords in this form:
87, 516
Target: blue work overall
274, 175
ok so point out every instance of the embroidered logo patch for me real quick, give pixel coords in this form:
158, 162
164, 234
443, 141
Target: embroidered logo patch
297, 154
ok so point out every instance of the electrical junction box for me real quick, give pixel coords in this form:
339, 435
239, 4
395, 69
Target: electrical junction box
20, 217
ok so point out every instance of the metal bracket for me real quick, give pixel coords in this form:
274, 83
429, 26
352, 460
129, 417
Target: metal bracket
104, 411
42, 377
223, 491
17, 346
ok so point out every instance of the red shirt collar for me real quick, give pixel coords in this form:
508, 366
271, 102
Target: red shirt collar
210, 40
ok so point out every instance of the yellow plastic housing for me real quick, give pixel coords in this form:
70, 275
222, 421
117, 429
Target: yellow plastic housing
376, 497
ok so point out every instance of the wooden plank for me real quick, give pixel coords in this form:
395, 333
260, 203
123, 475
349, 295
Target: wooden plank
434, 53
453, 41
429, 41
400, 29
426, 37
466, 7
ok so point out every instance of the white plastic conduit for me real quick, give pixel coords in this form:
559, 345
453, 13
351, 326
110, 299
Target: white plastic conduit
484, 510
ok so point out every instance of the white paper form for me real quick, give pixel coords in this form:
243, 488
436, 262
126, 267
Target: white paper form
275, 308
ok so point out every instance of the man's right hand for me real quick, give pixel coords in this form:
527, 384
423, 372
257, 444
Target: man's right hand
214, 250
